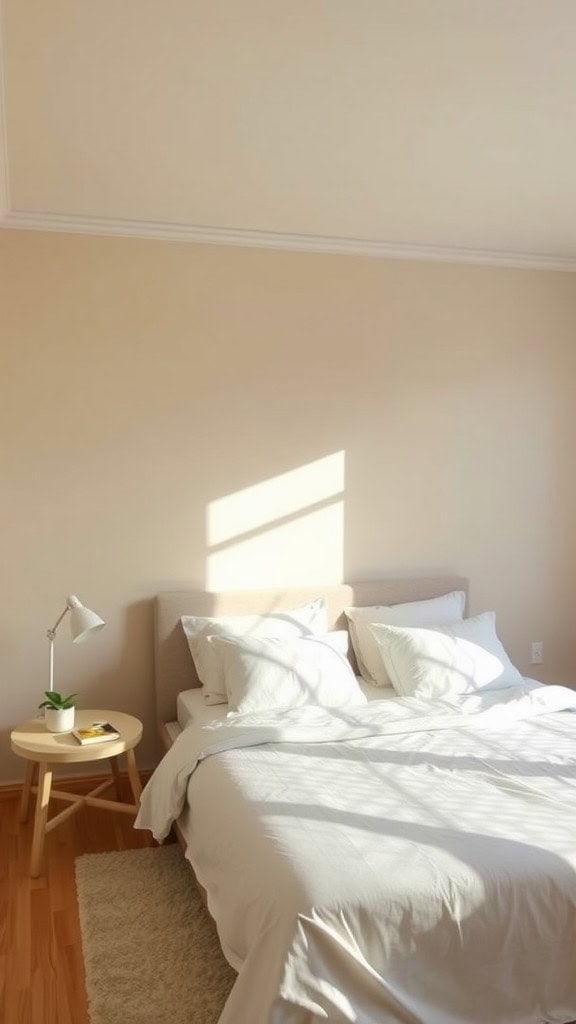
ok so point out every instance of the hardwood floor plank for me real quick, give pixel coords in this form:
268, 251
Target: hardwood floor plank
41, 962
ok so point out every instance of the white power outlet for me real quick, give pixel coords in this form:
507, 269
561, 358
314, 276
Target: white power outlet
537, 652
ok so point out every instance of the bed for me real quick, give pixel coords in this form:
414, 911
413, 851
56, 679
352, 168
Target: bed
404, 861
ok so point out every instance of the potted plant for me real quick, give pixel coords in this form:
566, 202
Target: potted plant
59, 711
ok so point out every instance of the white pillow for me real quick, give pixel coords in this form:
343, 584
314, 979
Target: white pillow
462, 658
307, 620
270, 673
437, 611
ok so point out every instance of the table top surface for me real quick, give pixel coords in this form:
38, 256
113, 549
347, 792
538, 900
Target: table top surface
34, 741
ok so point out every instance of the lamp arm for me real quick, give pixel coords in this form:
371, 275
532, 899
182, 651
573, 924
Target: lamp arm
51, 634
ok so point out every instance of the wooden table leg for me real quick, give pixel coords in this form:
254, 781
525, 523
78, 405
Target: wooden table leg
113, 762
31, 767
40, 818
135, 783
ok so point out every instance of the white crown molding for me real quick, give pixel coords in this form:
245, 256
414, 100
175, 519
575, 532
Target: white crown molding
38, 221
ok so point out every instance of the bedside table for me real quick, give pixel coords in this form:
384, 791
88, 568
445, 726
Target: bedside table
42, 749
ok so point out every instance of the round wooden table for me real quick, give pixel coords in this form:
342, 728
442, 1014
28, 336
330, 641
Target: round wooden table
42, 749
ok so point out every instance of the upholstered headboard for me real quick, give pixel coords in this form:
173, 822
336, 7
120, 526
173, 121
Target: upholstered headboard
174, 666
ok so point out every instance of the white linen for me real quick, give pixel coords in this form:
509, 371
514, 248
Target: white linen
462, 658
262, 673
309, 619
436, 611
398, 862
373, 692
190, 704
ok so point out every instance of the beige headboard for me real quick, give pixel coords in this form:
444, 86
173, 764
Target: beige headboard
174, 666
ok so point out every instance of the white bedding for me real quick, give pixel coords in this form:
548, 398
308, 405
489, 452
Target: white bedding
191, 706
394, 863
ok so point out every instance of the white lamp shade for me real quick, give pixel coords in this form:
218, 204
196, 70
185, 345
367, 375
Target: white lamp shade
83, 621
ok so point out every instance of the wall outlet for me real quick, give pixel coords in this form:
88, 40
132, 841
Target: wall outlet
537, 652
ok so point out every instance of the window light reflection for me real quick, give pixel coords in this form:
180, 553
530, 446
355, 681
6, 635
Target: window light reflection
284, 531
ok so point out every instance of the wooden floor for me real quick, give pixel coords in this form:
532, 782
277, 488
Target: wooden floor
41, 967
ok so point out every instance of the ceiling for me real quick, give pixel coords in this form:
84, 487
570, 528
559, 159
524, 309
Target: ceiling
442, 129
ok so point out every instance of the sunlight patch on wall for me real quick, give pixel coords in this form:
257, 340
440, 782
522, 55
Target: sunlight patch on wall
284, 531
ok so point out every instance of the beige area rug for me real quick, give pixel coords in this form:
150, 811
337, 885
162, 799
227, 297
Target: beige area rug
150, 947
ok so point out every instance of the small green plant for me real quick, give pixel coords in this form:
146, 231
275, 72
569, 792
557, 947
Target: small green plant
56, 701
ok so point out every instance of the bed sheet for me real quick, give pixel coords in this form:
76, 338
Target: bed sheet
421, 874
191, 706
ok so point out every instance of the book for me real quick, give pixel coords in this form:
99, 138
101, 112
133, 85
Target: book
96, 732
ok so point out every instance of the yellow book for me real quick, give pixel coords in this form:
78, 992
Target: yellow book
96, 732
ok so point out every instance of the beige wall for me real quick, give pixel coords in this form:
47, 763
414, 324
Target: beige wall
421, 410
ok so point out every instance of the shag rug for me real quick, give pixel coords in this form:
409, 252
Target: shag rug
150, 947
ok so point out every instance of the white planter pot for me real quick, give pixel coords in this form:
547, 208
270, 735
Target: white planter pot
61, 720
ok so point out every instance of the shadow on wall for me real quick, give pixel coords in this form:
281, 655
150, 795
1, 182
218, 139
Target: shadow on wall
128, 683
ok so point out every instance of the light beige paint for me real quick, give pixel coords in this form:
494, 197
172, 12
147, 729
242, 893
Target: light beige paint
4, 190
436, 122
145, 384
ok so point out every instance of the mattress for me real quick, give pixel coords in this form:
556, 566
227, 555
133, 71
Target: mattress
190, 705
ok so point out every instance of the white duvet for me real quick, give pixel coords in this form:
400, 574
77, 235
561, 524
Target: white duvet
398, 863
